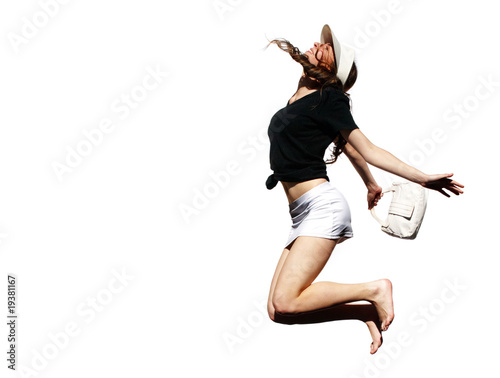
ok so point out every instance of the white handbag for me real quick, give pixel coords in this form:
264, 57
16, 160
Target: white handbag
406, 210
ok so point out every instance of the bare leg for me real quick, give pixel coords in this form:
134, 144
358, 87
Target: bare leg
270, 306
295, 292
323, 294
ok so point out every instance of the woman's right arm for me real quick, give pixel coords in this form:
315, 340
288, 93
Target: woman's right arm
383, 159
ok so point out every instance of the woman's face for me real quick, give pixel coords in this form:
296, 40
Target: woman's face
321, 53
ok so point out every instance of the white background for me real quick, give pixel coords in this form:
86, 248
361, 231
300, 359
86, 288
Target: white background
192, 302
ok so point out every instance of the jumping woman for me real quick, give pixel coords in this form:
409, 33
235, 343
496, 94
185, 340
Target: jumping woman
316, 116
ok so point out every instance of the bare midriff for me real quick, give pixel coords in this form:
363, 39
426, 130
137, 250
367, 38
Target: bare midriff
294, 190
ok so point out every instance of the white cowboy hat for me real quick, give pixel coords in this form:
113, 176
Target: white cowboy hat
344, 55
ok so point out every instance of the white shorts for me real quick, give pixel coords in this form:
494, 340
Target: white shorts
322, 212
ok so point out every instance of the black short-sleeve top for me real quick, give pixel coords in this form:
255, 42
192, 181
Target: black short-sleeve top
301, 132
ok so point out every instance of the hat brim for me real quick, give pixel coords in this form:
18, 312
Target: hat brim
328, 37
344, 56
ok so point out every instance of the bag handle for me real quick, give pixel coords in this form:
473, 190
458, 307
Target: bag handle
383, 223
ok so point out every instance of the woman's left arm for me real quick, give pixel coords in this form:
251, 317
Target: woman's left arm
383, 159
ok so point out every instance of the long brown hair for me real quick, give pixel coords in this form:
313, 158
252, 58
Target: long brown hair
324, 78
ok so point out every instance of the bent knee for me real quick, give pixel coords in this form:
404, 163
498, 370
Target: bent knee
284, 305
278, 306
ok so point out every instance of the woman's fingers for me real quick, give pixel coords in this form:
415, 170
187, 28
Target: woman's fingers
457, 190
457, 184
454, 191
445, 183
454, 187
443, 192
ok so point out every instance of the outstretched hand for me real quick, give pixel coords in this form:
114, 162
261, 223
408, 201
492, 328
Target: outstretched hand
374, 195
441, 182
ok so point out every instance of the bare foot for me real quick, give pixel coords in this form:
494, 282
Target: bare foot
374, 328
382, 299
